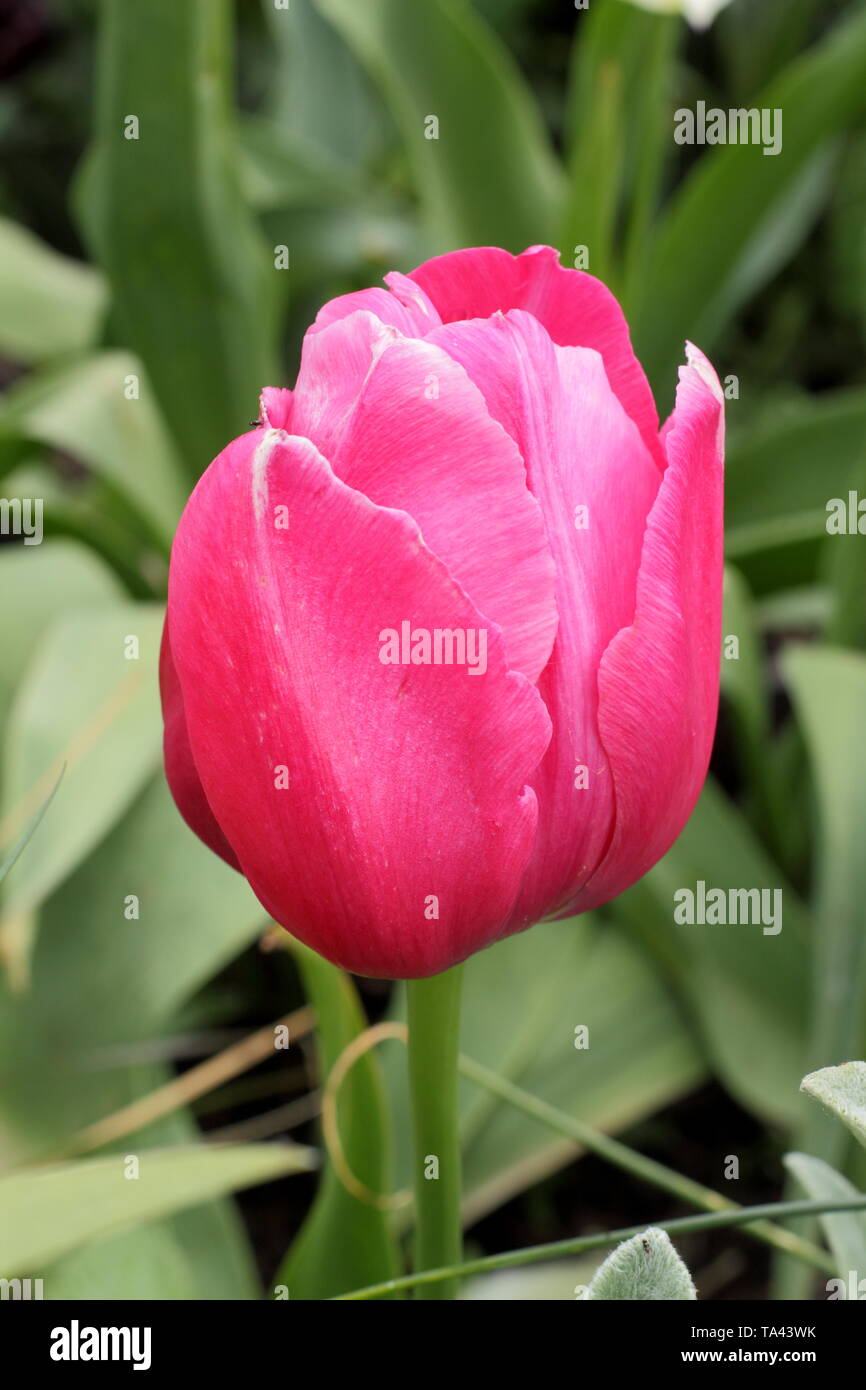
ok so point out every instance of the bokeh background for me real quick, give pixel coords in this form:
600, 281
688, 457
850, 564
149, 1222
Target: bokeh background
149, 287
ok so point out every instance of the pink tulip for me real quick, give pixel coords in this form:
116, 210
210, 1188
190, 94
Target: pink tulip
442, 647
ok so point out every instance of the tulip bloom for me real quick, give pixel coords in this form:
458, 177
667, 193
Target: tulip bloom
442, 647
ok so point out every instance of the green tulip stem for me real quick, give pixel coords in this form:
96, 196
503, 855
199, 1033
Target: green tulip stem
434, 1044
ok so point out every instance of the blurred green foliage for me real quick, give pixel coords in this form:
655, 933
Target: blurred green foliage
143, 302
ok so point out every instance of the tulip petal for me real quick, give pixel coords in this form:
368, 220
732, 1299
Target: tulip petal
576, 309
380, 811
275, 408
410, 294
406, 307
335, 363
659, 678
581, 451
419, 438
180, 769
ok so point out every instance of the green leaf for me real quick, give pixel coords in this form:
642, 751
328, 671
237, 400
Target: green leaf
344, 1243
281, 170
193, 288
45, 1096
489, 179
82, 409
766, 797
572, 974
742, 678
842, 1090
49, 304
147, 1262
774, 495
646, 1268
727, 972
84, 704
845, 1230
45, 579
828, 688
49, 1211
646, 1060
844, 565
617, 131
597, 135
94, 515
201, 1253
759, 40
195, 915
15, 852
847, 245
739, 213
214, 1241
320, 93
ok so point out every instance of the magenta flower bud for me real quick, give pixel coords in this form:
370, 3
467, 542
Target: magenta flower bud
442, 647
